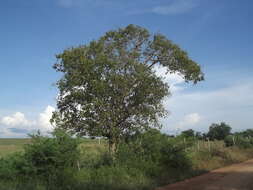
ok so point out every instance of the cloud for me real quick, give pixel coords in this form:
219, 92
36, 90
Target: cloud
172, 7
17, 123
232, 104
174, 80
44, 118
176, 7
189, 120
17, 119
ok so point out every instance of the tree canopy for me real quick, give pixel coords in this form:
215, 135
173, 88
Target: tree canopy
109, 87
188, 133
219, 131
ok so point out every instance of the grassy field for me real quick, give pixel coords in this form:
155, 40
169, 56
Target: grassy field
8, 146
12, 145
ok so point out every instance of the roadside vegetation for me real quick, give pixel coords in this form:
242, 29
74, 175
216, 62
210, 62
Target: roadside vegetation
143, 161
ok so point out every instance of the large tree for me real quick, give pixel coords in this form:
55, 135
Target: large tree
109, 87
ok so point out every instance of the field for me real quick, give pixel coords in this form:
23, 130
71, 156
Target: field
8, 146
12, 145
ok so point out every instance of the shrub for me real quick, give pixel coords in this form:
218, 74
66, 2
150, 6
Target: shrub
229, 140
239, 140
53, 161
13, 166
155, 154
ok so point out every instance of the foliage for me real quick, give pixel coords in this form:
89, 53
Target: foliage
110, 88
188, 133
148, 160
218, 156
158, 159
247, 133
50, 156
219, 131
239, 140
49, 159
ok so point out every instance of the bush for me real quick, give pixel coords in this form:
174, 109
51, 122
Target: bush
239, 140
13, 166
53, 161
155, 154
229, 140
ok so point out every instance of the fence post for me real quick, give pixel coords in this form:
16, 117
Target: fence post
184, 145
234, 140
209, 147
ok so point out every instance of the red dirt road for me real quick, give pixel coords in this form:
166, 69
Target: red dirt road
234, 177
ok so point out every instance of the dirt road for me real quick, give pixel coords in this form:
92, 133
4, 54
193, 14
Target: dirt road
235, 177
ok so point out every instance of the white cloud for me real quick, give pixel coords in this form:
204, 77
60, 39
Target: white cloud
17, 124
17, 119
189, 120
44, 118
233, 105
174, 80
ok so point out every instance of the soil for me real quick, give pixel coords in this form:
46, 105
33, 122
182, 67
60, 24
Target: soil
234, 177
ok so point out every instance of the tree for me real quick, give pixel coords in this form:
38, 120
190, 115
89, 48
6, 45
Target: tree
110, 88
219, 131
248, 133
188, 133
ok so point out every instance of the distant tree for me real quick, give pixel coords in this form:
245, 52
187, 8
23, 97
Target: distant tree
109, 87
188, 133
199, 135
219, 131
248, 133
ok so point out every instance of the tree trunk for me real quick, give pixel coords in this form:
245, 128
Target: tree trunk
112, 148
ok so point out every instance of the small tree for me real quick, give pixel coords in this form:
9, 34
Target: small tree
188, 133
219, 131
109, 87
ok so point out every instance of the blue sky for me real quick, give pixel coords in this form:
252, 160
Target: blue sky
216, 33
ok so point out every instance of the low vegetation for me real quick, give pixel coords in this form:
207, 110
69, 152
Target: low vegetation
143, 161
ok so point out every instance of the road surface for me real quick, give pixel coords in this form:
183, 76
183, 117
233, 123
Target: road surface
234, 177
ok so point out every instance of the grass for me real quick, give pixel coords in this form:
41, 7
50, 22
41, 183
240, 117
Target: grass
12, 145
9, 146
217, 155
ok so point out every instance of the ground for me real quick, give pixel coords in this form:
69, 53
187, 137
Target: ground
234, 177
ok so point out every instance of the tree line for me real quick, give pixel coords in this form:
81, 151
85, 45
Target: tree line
222, 131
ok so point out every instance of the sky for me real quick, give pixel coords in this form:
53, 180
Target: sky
217, 34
